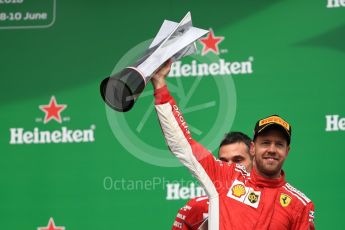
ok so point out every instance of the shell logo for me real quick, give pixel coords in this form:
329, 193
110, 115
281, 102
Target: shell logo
238, 190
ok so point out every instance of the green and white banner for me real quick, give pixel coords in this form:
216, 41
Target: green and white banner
70, 162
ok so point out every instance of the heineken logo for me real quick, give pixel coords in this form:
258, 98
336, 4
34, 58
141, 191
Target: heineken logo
204, 64
335, 3
217, 68
210, 43
63, 135
51, 226
176, 191
52, 111
335, 123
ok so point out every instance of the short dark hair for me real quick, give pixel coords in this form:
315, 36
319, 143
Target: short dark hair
235, 137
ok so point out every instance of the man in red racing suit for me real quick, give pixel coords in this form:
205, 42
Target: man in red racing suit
234, 148
261, 199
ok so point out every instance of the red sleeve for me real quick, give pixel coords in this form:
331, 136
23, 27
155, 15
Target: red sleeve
211, 173
162, 95
192, 214
305, 220
205, 167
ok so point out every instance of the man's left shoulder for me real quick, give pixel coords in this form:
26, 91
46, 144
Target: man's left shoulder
294, 192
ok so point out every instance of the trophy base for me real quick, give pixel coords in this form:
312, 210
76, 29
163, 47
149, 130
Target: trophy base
120, 90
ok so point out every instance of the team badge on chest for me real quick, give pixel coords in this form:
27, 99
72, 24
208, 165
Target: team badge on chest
284, 200
238, 191
253, 198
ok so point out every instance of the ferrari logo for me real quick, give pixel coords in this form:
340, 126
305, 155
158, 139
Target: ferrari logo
284, 200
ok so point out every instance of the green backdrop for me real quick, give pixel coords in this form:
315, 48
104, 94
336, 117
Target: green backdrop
83, 166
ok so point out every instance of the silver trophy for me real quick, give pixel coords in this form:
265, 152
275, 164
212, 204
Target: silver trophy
174, 40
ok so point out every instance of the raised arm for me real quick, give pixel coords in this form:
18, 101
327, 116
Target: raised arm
193, 155
177, 135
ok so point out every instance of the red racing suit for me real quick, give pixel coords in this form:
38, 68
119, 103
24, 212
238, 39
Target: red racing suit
192, 215
237, 199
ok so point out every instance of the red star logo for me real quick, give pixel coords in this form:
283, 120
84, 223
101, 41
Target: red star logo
52, 110
210, 43
51, 226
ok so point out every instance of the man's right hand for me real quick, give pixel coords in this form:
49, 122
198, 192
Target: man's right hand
158, 78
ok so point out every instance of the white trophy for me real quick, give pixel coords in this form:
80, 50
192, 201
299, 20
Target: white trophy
174, 40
